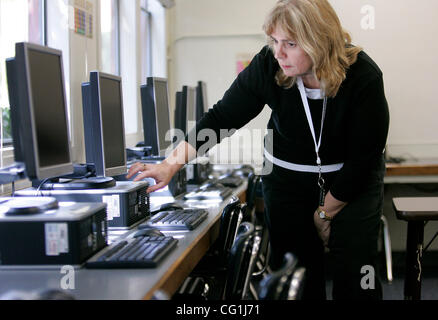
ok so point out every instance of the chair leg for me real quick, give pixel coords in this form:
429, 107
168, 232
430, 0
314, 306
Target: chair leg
253, 291
387, 247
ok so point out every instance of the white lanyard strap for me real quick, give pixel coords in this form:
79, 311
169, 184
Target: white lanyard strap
302, 167
309, 117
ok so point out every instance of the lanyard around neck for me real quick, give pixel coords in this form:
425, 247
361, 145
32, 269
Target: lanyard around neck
309, 117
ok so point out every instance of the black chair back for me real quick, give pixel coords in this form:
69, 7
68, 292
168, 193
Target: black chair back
254, 182
230, 220
241, 262
285, 283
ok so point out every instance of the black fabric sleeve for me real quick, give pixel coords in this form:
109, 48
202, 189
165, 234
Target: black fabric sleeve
367, 134
242, 102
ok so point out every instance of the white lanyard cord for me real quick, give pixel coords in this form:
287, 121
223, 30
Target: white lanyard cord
309, 117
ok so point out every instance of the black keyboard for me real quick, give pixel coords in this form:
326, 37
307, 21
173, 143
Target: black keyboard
135, 252
175, 220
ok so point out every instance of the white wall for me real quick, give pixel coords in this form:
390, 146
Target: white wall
206, 39
403, 44
207, 35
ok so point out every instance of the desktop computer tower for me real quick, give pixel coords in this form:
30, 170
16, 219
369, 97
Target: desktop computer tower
178, 183
198, 172
68, 234
128, 202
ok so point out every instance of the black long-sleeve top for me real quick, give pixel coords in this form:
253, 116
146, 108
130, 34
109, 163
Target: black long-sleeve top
355, 128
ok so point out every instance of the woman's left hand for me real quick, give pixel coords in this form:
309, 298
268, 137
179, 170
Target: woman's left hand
322, 227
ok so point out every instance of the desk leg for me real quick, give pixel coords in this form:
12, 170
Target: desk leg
414, 254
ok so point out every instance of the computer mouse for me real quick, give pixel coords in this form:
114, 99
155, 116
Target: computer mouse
148, 231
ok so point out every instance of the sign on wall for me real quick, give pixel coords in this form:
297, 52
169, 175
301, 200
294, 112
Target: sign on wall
81, 17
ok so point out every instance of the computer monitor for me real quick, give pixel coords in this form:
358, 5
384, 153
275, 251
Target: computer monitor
38, 111
189, 100
104, 124
201, 100
180, 113
156, 115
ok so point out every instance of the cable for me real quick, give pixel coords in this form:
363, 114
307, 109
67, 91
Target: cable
41, 184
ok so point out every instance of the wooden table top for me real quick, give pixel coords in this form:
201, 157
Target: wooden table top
421, 167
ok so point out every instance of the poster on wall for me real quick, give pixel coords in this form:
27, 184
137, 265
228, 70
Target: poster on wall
81, 17
242, 61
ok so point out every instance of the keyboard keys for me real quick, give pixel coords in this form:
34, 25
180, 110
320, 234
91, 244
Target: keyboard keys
209, 193
180, 219
139, 252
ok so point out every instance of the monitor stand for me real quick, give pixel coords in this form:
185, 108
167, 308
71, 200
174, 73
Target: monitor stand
28, 205
75, 184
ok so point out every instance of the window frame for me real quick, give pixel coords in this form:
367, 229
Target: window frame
36, 33
115, 39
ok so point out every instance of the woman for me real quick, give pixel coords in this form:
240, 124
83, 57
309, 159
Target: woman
329, 127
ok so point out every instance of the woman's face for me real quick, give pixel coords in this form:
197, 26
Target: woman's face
291, 57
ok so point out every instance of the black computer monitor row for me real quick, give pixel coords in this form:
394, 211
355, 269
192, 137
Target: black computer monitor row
40, 122
191, 104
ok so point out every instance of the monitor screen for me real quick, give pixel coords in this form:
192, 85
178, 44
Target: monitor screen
39, 111
189, 94
201, 100
48, 107
162, 113
112, 123
156, 115
104, 124
180, 112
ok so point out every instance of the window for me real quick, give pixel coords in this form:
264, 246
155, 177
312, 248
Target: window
145, 31
109, 36
20, 21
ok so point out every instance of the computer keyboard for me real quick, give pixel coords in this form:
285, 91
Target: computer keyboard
180, 219
134, 252
211, 192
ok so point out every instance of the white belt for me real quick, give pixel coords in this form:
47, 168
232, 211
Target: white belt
302, 167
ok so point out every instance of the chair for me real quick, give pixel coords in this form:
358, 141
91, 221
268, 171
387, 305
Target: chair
215, 260
231, 218
251, 194
241, 263
231, 283
285, 283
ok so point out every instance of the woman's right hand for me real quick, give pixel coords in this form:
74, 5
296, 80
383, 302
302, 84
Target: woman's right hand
162, 173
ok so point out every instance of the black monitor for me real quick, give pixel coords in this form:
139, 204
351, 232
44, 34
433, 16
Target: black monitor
156, 115
180, 113
104, 124
201, 100
38, 111
189, 95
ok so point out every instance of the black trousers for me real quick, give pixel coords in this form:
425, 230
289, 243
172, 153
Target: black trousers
291, 199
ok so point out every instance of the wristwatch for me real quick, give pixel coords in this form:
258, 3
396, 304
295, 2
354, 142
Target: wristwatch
323, 215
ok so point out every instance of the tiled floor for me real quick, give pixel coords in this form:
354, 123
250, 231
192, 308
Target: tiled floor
395, 289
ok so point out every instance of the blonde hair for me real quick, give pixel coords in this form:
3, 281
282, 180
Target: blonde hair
316, 28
